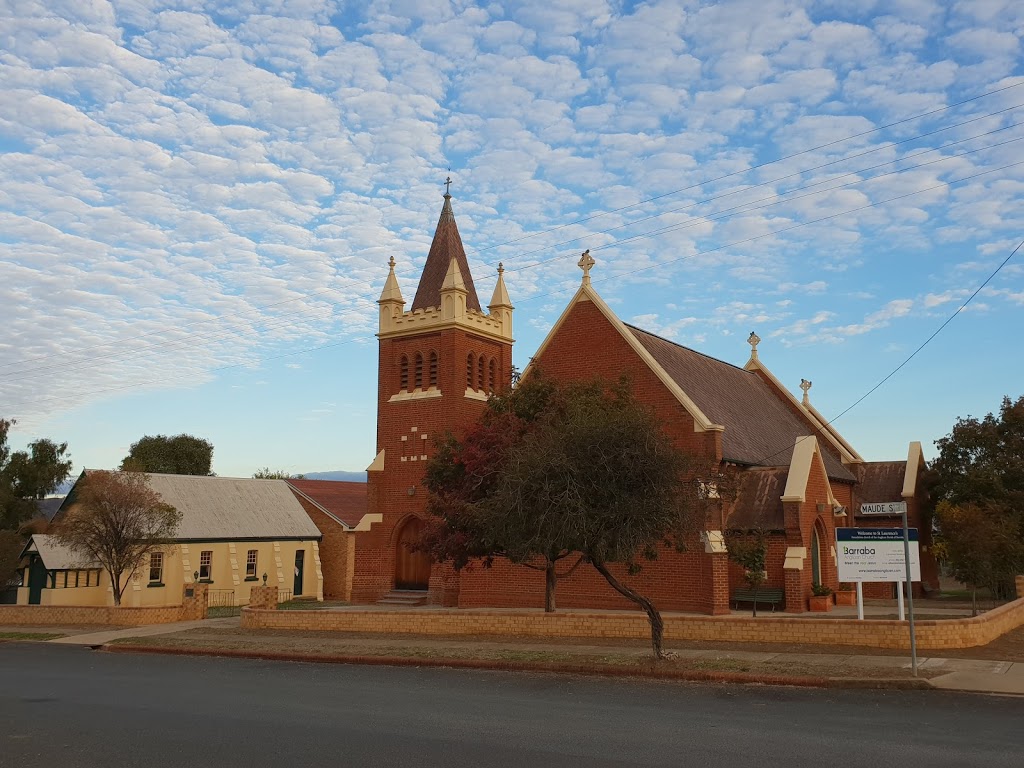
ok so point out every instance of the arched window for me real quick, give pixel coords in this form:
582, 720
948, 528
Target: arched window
403, 376
418, 372
433, 369
480, 373
470, 364
492, 375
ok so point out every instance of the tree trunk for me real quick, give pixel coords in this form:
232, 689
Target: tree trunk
115, 587
550, 580
974, 601
755, 601
653, 615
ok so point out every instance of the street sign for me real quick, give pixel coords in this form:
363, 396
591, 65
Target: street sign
884, 508
875, 554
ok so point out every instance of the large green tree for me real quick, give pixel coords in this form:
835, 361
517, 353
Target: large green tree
567, 470
177, 455
977, 483
29, 475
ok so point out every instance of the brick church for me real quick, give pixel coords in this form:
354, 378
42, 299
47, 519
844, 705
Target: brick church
442, 356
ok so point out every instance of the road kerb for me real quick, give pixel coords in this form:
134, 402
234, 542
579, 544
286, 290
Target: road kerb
596, 670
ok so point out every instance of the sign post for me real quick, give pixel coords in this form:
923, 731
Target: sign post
875, 564
910, 591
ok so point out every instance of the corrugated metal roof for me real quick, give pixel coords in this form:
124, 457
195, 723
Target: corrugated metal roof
759, 428
233, 508
55, 556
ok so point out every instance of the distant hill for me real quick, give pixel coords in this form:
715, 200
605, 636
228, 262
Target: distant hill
340, 474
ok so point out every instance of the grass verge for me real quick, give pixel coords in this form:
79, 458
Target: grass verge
35, 636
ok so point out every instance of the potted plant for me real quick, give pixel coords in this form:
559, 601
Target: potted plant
821, 598
846, 595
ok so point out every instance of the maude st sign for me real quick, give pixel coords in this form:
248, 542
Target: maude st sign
884, 508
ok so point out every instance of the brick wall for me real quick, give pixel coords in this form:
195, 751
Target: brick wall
264, 598
931, 635
46, 615
334, 551
420, 422
192, 608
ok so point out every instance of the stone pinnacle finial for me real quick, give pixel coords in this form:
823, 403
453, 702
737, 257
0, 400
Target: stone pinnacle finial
391, 263
805, 385
753, 340
585, 263
501, 268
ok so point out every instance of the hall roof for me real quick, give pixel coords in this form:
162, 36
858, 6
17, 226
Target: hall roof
760, 430
447, 245
227, 508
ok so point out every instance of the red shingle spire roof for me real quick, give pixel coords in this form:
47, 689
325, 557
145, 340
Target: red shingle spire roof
447, 245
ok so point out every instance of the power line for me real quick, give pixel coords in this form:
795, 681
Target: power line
617, 210
767, 202
612, 277
910, 357
279, 322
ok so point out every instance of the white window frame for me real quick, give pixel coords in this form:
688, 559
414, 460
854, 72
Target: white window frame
206, 568
251, 561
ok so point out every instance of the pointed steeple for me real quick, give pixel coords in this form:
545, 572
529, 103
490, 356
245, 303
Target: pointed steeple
447, 245
500, 296
453, 293
501, 305
390, 301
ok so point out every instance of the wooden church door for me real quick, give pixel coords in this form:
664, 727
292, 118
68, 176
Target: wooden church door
412, 569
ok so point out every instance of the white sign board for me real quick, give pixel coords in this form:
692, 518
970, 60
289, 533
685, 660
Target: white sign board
884, 508
875, 554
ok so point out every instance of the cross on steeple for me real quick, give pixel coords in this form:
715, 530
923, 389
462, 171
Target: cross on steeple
805, 385
753, 340
585, 263
447, 186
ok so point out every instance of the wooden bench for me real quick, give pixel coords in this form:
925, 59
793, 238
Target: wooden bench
767, 595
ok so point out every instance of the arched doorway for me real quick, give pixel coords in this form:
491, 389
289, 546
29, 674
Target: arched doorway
412, 569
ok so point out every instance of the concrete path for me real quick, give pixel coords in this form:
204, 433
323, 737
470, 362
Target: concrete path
1005, 677
109, 635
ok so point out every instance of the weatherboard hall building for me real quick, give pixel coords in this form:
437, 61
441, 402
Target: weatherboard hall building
440, 358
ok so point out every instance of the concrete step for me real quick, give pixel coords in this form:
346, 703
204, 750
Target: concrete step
404, 597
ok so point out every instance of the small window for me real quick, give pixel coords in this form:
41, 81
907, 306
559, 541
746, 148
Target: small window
480, 373
470, 365
205, 565
403, 382
492, 375
88, 578
418, 373
250, 564
156, 567
433, 369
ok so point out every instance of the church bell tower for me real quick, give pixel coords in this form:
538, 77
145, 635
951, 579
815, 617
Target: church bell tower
438, 362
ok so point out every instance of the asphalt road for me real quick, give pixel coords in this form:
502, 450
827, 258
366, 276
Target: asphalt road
67, 706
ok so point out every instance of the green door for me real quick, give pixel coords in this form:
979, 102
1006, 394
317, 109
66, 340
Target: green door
300, 557
36, 580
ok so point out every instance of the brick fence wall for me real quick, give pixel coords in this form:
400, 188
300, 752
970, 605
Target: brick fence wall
193, 607
68, 615
931, 635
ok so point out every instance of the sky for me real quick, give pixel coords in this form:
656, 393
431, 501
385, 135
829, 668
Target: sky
198, 201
